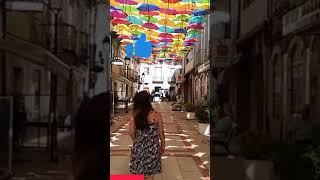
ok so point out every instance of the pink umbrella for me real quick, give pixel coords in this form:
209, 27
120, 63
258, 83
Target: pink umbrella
192, 40
171, 1
118, 13
166, 35
149, 13
129, 2
124, 37
119, 21
165, 40
168, 11
150, 26
195, 26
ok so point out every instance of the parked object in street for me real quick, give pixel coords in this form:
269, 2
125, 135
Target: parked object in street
203, 117
190, 108
156, 97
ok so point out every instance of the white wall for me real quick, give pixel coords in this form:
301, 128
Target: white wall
165, 74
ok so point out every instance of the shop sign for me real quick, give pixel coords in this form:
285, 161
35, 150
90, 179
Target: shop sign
221, 53
302, 16
179, 78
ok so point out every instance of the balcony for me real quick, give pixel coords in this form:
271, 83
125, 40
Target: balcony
133, 75
25, 5
157, 79
202, 56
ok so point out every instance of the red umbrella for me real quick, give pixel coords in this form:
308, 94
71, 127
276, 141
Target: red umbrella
168, 11
124, 37
150, 26
129, 2
119, 21
117, 13
170, 1
149, 13
184, 12
193, 40
195, 26
165, 40
155, 42
166, 35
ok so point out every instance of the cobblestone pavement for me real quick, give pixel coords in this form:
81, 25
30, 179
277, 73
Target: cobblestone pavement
187, 155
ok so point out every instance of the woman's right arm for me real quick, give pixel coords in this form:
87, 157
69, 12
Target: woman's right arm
132, 129
161, 132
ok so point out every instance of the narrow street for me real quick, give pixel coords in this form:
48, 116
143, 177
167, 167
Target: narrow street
187, 155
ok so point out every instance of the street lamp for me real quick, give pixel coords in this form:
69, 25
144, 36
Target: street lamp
127, 63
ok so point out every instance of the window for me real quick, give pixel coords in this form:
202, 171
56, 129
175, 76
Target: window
146, 70
157, 74
36, 88
247, 3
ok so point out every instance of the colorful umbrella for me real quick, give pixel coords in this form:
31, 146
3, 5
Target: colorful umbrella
127, 41
166, 22
184, 12
203, 7
198, 12
135, 20
195, 26
193, 31
121, 27
182, 17
188, 44
179, 36
149, 13
180, 30
182, 24
151, 33
193, 40
148, 7
149, 19
136, 32
166, 35
117, 14
129, 2
170, 1
166, 29
129, 8
136, 27
150, 26
197, 19
193, 36
124, 37
119, 21
124, 33
168, 11
165, 40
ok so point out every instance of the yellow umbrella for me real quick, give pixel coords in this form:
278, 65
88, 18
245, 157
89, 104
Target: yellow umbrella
114, 3
127, 41
151, 33
182, 25
152, 38
184, 6
179, 36
136, 27
124, 33
167, 16
166, 22
159, 3
203, 7
121, 27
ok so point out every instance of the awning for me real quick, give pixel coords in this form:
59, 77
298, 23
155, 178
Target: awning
34, 54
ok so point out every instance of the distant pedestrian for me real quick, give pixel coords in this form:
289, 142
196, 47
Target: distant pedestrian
146, 129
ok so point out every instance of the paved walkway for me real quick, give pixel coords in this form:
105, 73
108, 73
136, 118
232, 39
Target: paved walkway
187, 155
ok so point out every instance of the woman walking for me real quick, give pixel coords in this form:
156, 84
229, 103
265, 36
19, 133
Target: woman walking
146, 128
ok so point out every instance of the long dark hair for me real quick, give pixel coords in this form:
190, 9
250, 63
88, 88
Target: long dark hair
141, 108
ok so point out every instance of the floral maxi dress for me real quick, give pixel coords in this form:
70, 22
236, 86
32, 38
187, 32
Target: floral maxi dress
145, 152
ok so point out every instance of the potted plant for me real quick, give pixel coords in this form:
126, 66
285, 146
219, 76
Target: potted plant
203, 117
190, 108
257, 149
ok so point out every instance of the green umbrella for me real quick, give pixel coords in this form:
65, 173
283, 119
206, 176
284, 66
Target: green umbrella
193, 31
136, 32
149, 19
182, 17
129, 8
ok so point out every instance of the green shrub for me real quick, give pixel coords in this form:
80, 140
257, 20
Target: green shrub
203, 114
189, 107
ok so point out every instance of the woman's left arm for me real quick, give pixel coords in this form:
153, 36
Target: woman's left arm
132, 129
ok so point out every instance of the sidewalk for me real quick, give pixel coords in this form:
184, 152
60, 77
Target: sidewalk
187, 155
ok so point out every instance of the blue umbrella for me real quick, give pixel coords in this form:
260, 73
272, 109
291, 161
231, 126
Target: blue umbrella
193, 36
135, 20
197, 19
188, 44
166, 29
180, 30
148, 7
114, 8
198, 12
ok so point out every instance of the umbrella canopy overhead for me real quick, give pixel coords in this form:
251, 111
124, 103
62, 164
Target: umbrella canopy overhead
171, 27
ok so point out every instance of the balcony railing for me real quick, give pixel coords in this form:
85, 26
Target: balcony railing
67, 36
25, 5
202, 56
157, 79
